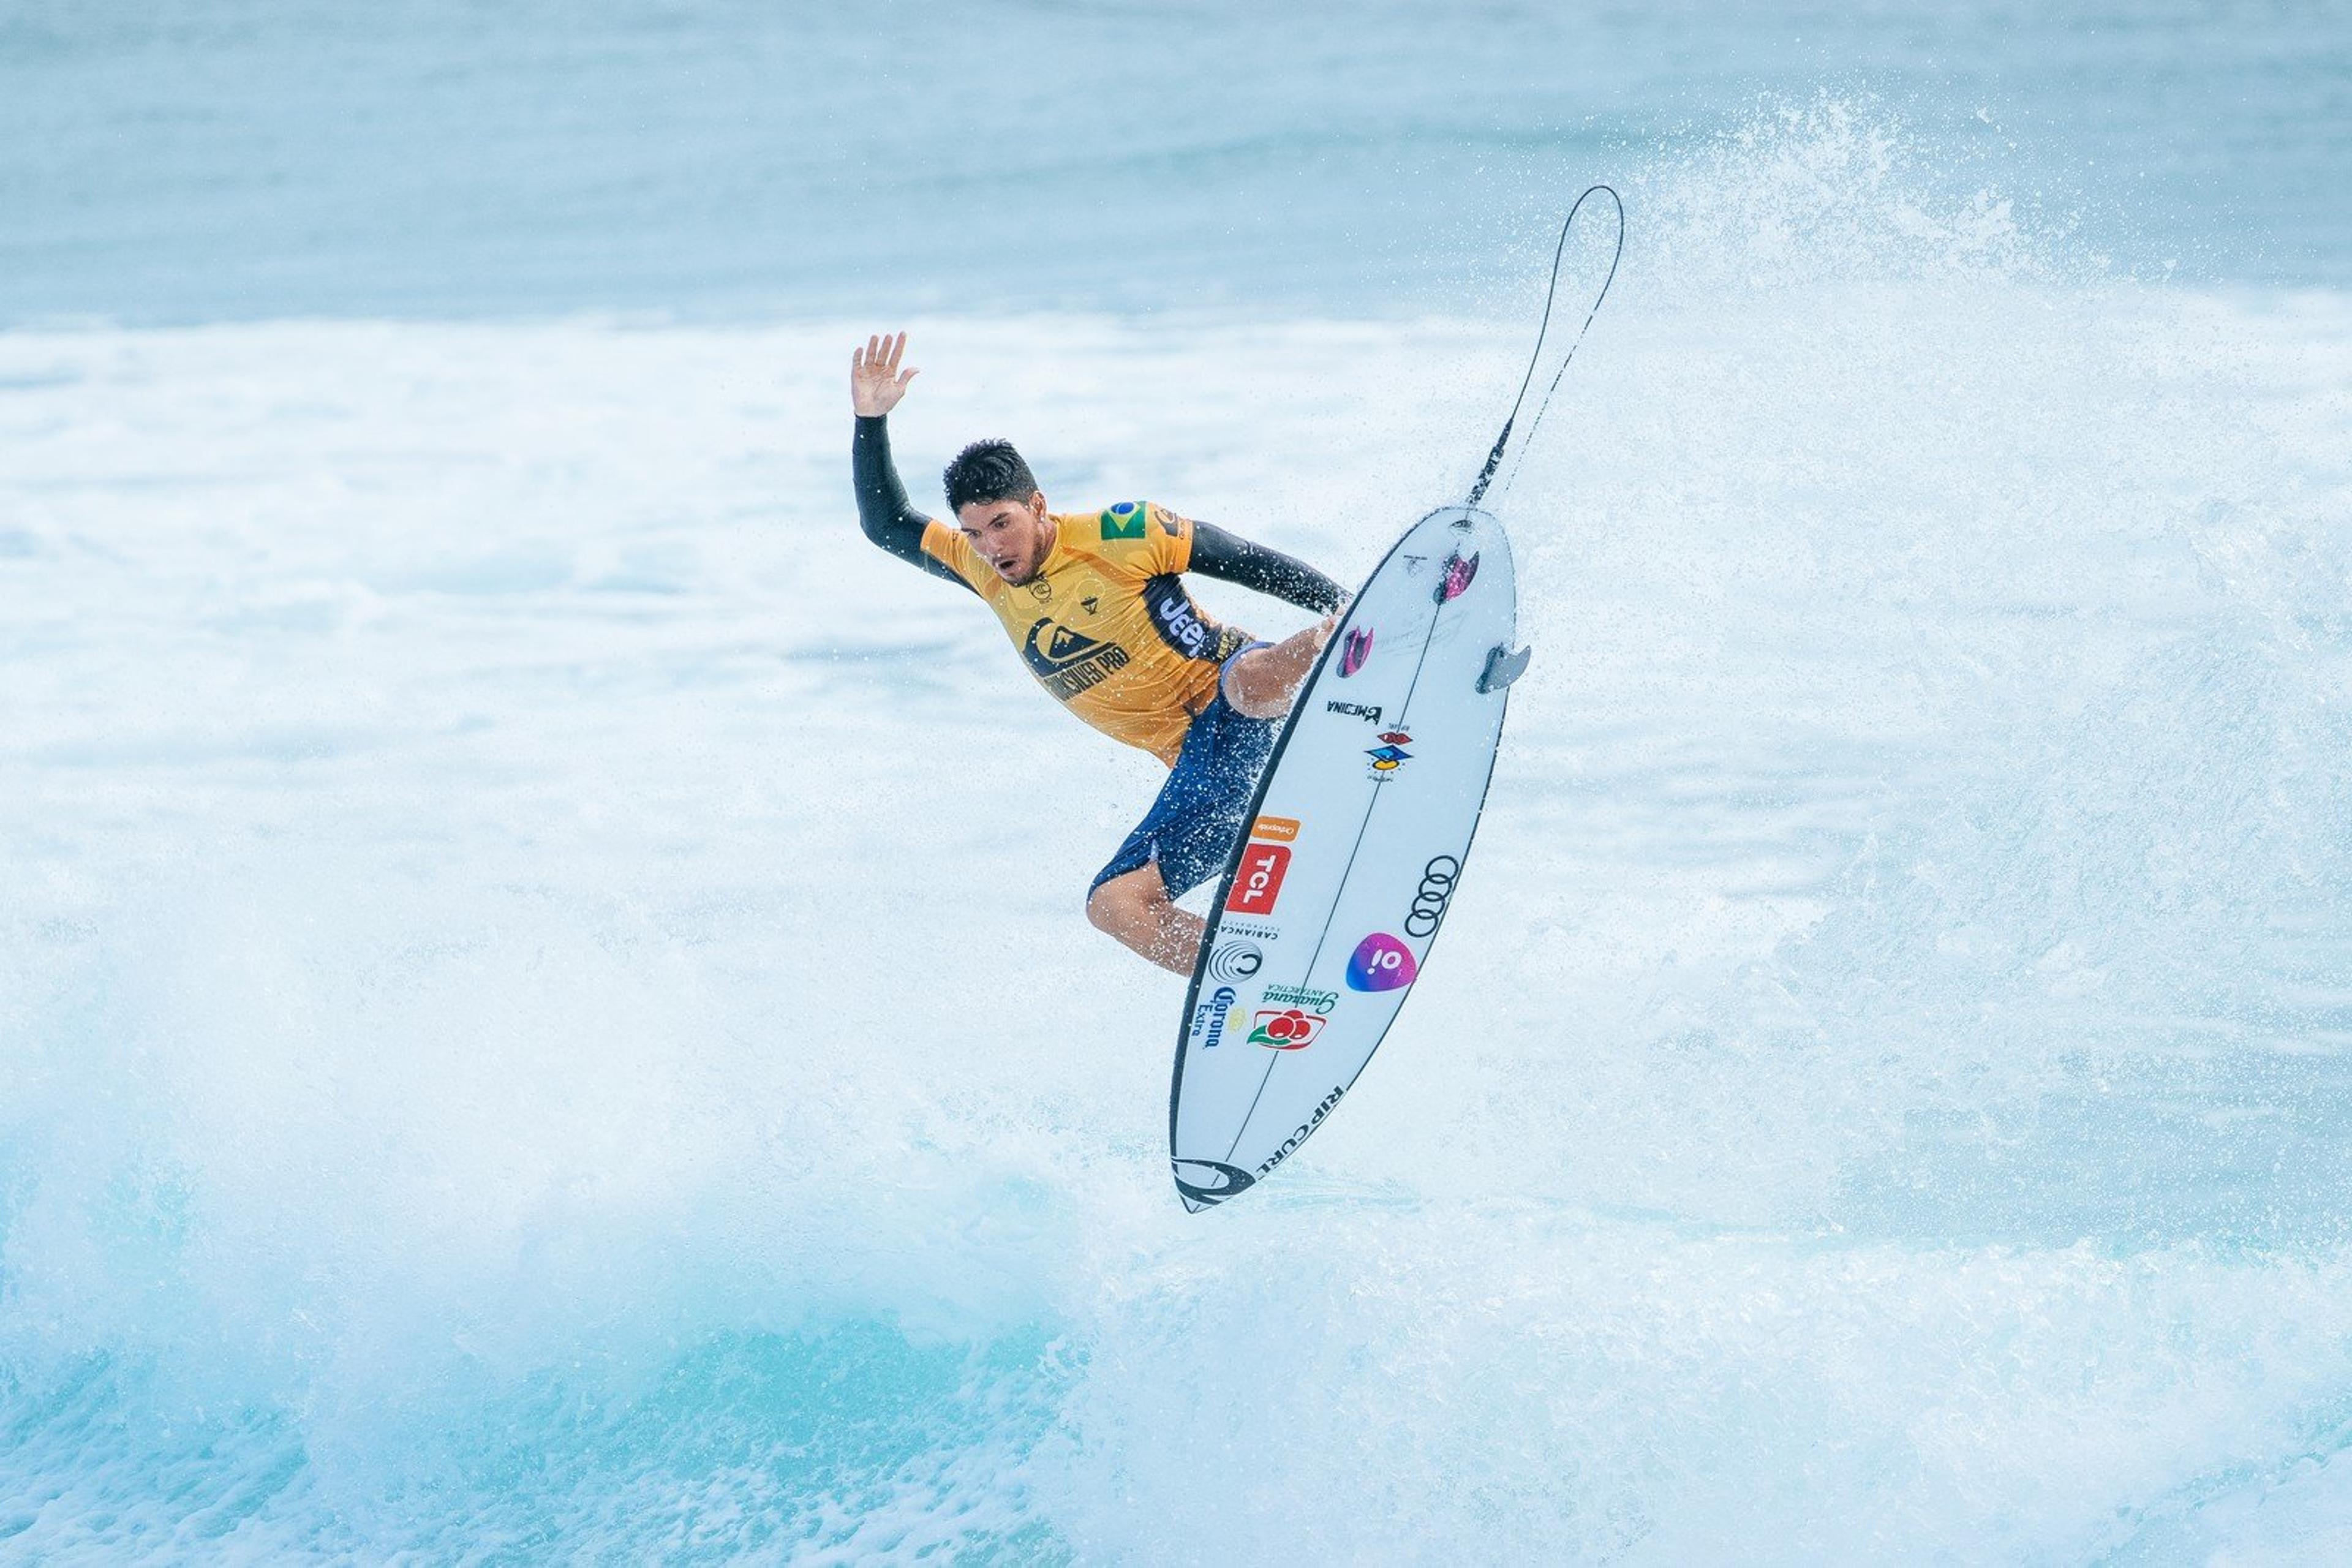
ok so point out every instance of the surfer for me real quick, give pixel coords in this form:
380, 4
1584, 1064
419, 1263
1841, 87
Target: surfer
1096, 603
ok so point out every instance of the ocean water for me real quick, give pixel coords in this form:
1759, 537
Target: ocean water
544, 1014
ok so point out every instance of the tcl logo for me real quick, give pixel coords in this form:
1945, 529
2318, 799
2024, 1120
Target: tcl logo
1258, 882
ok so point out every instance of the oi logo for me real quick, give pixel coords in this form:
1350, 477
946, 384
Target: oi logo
1380, 962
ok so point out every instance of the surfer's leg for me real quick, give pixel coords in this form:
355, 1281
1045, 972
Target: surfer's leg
1135, 908
1185, 839
1262, 682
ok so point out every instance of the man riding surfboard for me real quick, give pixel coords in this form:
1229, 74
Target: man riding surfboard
1096, 605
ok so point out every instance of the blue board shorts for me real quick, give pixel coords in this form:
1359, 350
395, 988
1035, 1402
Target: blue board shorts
1198, 818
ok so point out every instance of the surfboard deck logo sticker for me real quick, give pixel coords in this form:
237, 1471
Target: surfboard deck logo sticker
1235, 959
1380, 962
1284, 1029
1262, 868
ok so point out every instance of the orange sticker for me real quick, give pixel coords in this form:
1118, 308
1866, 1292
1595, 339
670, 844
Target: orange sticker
1281, 829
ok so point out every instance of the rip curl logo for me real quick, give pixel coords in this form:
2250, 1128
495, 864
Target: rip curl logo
1290, 1145
1124, 520
1207, 1182
1354, 649
1069, 662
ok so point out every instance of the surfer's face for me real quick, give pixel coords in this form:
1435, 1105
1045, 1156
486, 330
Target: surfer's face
1012, 536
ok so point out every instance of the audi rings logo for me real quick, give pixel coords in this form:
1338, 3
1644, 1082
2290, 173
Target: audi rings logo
1429, 901
1236, 961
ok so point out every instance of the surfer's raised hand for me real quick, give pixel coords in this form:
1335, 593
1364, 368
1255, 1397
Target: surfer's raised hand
875, 382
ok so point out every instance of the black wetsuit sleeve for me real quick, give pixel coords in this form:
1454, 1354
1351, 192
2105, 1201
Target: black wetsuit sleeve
1222, 555
890, 519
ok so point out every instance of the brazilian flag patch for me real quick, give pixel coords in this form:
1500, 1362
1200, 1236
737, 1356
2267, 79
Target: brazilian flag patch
1125, 521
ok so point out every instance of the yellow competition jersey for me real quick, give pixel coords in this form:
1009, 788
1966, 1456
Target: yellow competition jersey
1105, 624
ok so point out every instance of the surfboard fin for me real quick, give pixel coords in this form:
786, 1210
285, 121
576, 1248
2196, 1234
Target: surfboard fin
1503, 666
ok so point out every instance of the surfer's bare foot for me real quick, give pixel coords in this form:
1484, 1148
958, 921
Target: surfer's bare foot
1264, 681
1136, 909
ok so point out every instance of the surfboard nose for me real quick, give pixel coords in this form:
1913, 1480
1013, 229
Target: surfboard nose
1204, 1183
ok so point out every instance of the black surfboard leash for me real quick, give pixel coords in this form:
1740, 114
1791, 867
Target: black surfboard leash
1560, 252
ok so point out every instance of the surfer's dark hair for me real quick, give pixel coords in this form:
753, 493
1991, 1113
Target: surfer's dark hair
987, 471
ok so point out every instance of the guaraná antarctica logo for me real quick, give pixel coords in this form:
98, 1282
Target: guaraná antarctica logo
1293, 1016
1284, 1028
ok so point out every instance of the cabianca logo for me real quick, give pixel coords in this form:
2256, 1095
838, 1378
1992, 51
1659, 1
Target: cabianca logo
1235, 959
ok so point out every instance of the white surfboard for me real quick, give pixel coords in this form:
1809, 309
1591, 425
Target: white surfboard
1357, 840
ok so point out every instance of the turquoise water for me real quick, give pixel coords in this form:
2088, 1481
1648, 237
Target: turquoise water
543, 1009
183, 161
